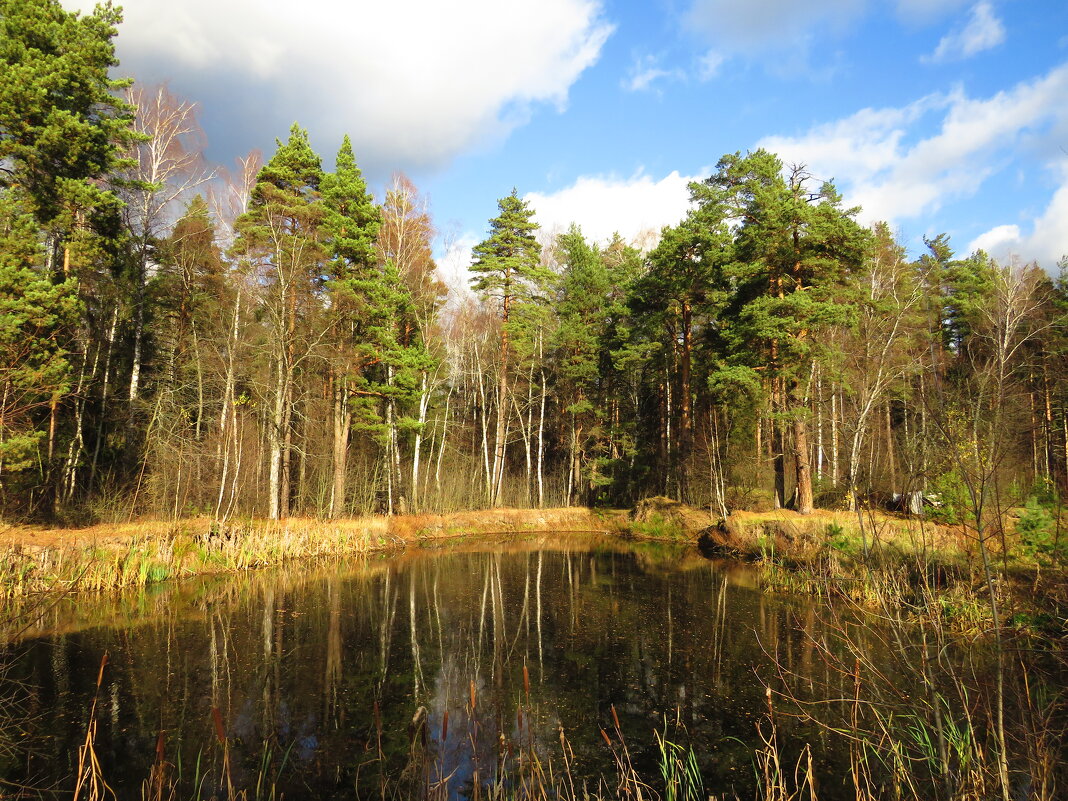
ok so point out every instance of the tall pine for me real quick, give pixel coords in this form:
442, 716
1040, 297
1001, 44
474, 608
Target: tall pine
281, 237
795, 249
507, 270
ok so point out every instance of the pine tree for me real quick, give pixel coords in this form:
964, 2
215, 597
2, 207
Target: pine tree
61, 132
507, 269
795, 249
35, 313
584, 310
61, 125
281, 235
681, 295
350, 222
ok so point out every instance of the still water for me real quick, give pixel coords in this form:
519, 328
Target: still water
453, 664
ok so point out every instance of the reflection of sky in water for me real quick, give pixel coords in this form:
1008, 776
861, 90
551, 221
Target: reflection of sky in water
297, 661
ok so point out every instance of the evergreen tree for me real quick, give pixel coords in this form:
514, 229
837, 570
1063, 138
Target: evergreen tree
281, 235
682, 295
61, 125
61, 132
350, 222
579, 341
35, 313
794, 252
192, 289
507, 269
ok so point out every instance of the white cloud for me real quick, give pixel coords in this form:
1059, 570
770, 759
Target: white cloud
646, 71
1046, 241
452, 266
602, 205
997, 239
414, 82
883, 162
983, 31
783, 33
708, 65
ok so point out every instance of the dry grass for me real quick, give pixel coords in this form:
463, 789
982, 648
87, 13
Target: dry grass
105, 557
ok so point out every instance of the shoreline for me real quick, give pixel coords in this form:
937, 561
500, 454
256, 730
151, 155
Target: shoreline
105, 556
877, 561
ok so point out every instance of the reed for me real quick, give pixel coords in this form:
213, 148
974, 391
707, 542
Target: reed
104, 558
89, 778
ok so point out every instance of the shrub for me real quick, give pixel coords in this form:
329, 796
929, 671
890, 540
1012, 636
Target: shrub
1038, 532
953, 496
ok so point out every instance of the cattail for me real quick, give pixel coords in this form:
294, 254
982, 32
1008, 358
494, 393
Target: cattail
603, 734
526, 681
472, 695
445, 726
615, 717
219, 731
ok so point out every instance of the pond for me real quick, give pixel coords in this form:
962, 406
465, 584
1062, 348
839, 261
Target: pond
549, 663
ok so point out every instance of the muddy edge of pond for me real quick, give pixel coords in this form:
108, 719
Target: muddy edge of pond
825, 552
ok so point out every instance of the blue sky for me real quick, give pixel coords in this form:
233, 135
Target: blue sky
936, 115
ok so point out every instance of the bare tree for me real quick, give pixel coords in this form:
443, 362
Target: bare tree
166, 164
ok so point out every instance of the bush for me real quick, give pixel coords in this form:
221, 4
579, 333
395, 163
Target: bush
838, 539
1038, 532
953, 496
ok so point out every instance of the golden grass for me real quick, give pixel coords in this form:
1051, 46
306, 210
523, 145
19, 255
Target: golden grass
105, 557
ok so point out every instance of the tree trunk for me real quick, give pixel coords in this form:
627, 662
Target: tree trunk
819, 426
104, 392
502, 415
441, 445
342, 425
424, 402
228, 411
777, 443
139, 324
802, 468
275, 442
541, 445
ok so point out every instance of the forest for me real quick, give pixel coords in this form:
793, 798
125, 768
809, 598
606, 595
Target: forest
274, 340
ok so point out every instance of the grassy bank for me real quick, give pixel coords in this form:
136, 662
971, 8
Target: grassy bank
879, 560
106, 557
900, 564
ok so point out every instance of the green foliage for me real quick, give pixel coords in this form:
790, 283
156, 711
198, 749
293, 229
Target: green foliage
1039, 533
679, 770
61, 124
507, 262
1044, 492
794, 250
952, 492
838, 539
35, 313
657, 526
351, 218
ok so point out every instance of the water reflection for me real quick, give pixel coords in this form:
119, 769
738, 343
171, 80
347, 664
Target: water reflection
435, 669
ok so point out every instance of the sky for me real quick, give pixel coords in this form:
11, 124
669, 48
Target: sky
932, 115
